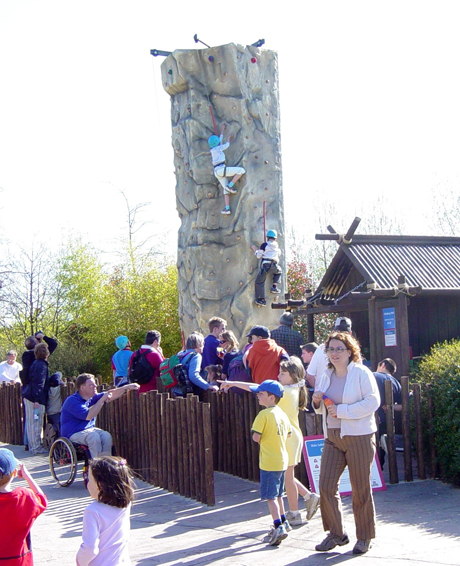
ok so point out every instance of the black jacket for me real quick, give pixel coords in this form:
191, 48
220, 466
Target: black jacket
28, 358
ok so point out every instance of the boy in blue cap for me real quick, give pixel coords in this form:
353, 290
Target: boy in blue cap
270, 429
20, 507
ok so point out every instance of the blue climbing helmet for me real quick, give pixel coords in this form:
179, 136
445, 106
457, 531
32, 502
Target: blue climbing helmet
272, 234
213, 141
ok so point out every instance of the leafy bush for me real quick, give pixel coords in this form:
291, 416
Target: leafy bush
440, 372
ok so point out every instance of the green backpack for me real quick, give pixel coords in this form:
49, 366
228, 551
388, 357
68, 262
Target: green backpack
174, 373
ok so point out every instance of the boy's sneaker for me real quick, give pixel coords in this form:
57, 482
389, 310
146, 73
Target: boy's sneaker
311, 505
294, 518
275, 290
232, 190
275, 536
261, 302
331, 541
362, 546
226, 211
287, 526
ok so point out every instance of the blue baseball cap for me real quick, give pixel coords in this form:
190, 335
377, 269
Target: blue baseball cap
8, 462
270, 386
121, 342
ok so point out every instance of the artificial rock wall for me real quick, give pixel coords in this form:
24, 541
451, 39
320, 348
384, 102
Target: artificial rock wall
216, 266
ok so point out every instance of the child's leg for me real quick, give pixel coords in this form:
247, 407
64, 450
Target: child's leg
301, 488
227, 200
274, 508
291, 489
236, 173
281, 506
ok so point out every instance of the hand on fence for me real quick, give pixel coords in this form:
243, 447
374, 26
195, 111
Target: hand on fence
224, 385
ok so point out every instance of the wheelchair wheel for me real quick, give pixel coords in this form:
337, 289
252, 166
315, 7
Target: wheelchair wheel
63, 461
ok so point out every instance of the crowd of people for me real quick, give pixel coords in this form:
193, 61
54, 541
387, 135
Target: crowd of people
287, 376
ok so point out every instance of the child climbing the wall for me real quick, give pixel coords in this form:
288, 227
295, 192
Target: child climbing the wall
221, 171
269, 255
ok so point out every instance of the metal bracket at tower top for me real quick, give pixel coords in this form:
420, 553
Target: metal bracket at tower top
156, 52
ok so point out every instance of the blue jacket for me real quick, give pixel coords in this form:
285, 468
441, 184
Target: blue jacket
37, 389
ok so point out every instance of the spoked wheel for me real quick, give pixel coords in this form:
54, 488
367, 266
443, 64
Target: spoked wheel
63, 461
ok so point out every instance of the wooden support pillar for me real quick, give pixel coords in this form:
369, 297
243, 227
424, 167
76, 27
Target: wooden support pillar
373, 333
310, 328
403, 327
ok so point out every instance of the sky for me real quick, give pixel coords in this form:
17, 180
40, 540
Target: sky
369, 97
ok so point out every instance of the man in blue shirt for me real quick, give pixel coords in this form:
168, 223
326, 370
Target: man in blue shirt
79, 412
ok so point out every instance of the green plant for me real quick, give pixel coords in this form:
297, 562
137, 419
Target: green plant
439, 375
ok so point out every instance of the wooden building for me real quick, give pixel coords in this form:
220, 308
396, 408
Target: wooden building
402, 293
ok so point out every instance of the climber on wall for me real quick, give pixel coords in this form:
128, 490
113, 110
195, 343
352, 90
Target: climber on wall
221, 171
269, 255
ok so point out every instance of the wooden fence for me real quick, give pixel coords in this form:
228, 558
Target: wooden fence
178, 443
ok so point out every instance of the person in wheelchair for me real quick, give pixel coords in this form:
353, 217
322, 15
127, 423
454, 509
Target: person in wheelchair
79, 412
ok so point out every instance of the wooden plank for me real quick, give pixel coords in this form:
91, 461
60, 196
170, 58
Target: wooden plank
408, 475
419, 432
209, 496
431, 435
390, 422
191, 443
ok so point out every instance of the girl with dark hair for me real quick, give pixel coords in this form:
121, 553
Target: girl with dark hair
106, 521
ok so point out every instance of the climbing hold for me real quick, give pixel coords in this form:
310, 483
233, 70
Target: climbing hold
241, 283
267, 81
228, 289
240, 322
233, 107
212, 274
266, 162
238, 237
170, 72
256, 157
266, 189
210, 58
225, 74
209, 195
227, 260
195, 206
253, 60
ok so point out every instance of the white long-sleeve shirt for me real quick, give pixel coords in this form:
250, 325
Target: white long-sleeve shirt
360, 400
105, 536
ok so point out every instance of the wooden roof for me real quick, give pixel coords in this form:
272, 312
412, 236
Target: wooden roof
432, 263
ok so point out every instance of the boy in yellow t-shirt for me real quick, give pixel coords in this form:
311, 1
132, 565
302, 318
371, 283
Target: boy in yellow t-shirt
270, 429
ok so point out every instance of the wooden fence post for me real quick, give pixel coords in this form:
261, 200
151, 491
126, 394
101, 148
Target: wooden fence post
421, 473
408, 475
390, 422
431, 435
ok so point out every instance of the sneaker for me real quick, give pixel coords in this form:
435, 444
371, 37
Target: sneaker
294, 518
275, 290
287, 526
362, 546
275, 536
261, 302
40, 450
331, 541
311, 505
232, 190
226, 211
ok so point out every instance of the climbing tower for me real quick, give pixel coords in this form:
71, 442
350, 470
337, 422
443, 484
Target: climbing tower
237, 86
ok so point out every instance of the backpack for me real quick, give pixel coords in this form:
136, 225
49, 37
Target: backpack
173, 373
237, 372
141, 371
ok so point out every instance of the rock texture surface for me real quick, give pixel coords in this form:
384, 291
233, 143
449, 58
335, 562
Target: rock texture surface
216, 266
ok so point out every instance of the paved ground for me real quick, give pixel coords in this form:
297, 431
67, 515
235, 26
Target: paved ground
418, 525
